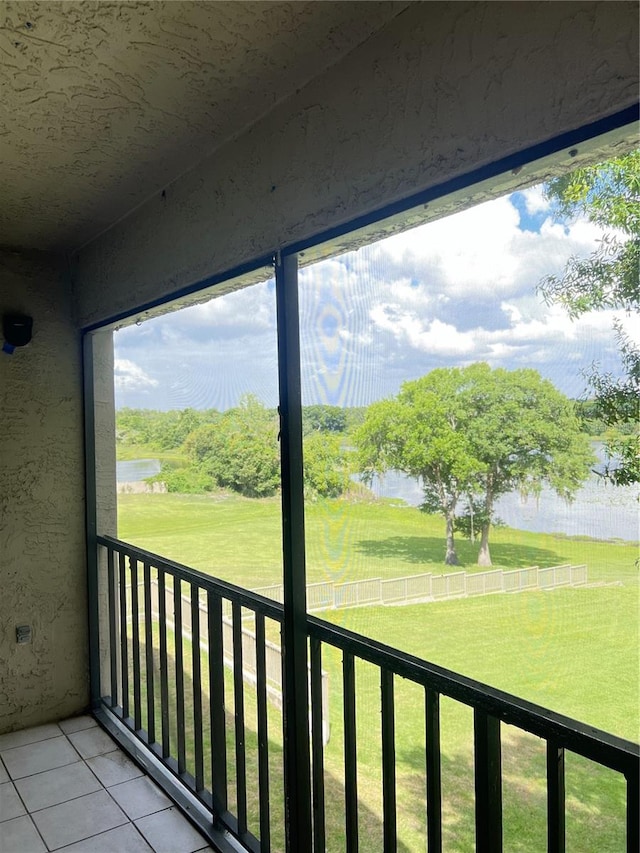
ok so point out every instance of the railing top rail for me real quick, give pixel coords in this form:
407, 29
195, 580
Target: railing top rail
244, 597
607, 749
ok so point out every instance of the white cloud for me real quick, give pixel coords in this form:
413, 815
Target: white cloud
458, 290
535, 201
630, 326
251, 308
482, 252
130, 377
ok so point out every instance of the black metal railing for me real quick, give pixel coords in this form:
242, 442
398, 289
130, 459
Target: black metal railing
189, 670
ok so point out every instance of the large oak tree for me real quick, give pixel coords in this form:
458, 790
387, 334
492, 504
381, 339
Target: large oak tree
476, 431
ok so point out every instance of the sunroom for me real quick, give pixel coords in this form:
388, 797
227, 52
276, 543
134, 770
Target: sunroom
161, 158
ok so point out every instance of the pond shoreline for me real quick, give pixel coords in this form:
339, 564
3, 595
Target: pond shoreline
609, 513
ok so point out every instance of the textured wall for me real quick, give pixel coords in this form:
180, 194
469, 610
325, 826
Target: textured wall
42, 560
443, 88
104, 102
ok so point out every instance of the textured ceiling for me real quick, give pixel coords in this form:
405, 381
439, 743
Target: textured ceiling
105, 103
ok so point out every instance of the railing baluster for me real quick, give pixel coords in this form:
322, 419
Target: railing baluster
633, 810
263, 735
388, 760
196, 669
164, 675
179, 656
113, 638
488, 782
434, 774
350, 760
148, 648
125, 608
238, 694
555, 798
216, 702
317, 744
124, 652
135, 644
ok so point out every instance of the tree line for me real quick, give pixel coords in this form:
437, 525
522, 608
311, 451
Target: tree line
467, 435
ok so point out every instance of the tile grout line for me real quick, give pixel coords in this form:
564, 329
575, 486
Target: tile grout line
28, 813
33, 742
128, 821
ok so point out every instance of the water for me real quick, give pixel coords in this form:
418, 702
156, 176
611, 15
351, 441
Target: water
135, 470
599, 510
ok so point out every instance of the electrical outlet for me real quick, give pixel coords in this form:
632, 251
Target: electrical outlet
23, 634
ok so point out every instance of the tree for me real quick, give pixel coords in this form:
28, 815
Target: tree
160, 430
240, 451
422, 433
525, 433
608, 194
325, 470
321, 418
479, 432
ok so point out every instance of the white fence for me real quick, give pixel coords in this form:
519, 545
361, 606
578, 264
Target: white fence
429, 587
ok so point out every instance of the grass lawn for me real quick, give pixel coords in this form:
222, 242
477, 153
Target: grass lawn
240, 540
572, 650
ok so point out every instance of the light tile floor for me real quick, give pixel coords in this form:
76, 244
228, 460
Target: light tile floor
68, 787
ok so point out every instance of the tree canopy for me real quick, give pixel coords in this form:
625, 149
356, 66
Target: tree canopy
608, 194
325, 469
476, 432
238, 449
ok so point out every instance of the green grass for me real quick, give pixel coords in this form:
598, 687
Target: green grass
239, 539
572, 650
542, 646
575, 651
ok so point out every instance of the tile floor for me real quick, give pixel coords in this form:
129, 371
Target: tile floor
69, 787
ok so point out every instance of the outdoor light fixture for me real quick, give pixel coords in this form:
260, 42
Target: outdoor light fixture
16, 329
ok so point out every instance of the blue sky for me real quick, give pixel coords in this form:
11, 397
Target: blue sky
448, 293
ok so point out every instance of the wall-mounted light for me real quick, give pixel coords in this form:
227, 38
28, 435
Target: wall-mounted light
17, 329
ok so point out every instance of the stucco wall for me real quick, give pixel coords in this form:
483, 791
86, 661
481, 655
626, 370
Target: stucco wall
442, 89
42, 559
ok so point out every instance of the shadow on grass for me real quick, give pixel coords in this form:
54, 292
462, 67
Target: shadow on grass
595, 798
423, 550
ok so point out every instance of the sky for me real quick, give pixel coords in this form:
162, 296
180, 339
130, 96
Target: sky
449, 293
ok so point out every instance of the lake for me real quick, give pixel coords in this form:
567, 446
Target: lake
599, 510
134, 470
